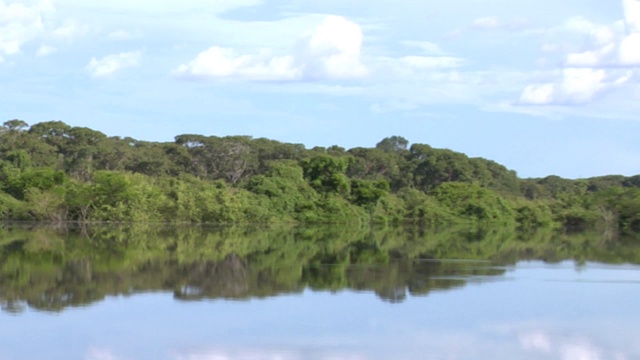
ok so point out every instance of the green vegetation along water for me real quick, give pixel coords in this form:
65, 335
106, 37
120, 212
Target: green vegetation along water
75, 265
52, 171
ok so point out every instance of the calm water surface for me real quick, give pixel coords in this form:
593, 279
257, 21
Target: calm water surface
422, 309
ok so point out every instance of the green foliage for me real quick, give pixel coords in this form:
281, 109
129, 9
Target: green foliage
389, 210
40, 179
368, 192
11, 208
47, 204
622, 206
432, 167
425, 210
393, 144
18, 158
286, 191
473, 202
326, 174
494, 176
531, 216
56, 172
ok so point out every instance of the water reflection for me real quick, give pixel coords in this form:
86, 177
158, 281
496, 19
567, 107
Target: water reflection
302, 293
51, 269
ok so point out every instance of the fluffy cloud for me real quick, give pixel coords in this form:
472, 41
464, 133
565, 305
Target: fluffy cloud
331, 51
575, 86
630, 50
632, 15
617, 45
218, 62
609, 46
111, 64
20, 22
608, 61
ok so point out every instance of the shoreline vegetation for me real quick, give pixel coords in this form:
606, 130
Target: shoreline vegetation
54, 172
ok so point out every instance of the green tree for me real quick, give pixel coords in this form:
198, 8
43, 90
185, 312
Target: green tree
473, 202
393, 144
326, 174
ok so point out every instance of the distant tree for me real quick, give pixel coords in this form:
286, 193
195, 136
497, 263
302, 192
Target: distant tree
335, 150
15, 125
51, 130
393, 144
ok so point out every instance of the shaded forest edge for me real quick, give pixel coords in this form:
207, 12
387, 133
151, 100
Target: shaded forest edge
52, 171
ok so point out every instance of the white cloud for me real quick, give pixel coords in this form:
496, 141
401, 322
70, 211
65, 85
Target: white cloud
45, 50
537, 341
218, 62
607, 48
575, 86
99, 354
493, 23
579, 351
539, 94
331, 51
630, 50
111, 64
632, 15
591, 58
21, 22
607, 62
579, 24
612, 45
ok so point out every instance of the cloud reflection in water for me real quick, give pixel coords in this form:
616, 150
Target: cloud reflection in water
270, 354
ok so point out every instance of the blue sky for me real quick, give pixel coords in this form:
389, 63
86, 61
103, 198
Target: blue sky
543, 87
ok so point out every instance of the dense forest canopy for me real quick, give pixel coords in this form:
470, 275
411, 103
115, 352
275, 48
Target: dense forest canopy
52, 171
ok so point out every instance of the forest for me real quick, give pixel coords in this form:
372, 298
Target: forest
54, 172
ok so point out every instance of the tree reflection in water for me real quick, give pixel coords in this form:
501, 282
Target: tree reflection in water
54, 268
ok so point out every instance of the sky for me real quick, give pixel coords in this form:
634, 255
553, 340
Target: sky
542, 87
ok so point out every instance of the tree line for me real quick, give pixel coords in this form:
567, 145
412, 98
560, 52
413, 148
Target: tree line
52, 171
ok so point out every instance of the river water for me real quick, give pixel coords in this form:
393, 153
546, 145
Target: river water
69, 296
